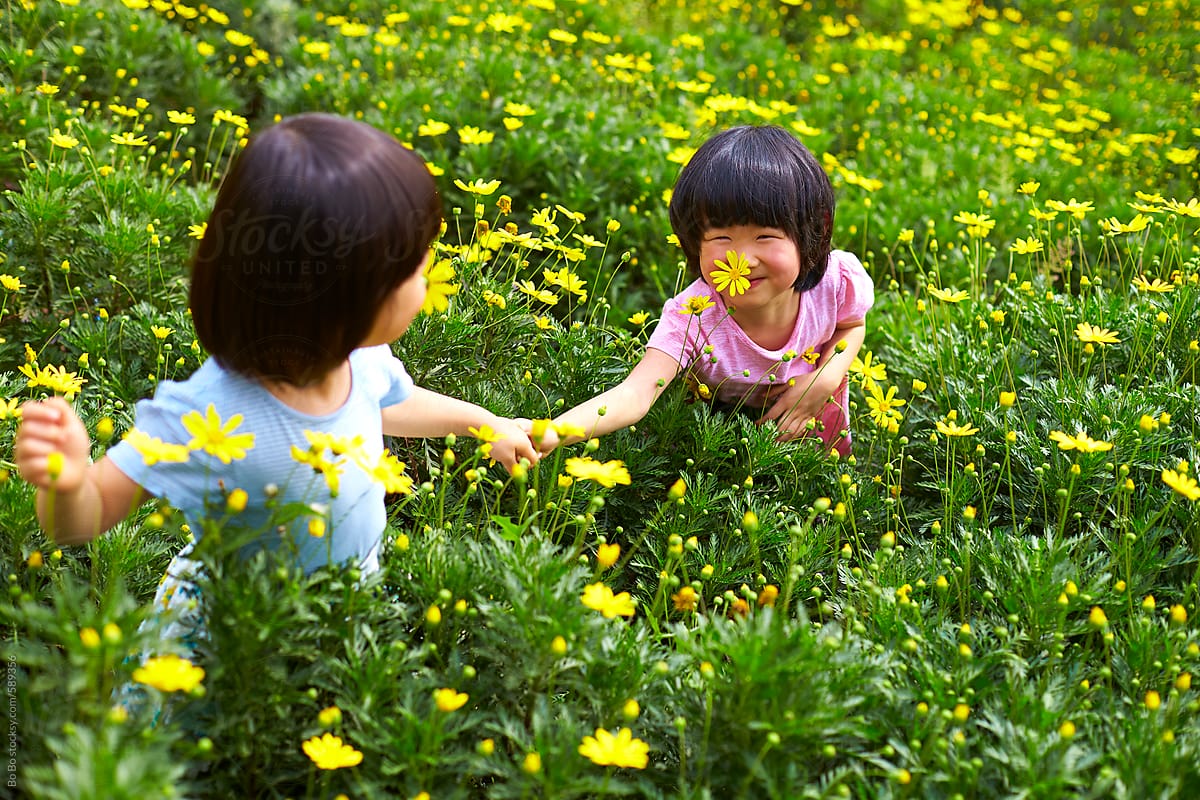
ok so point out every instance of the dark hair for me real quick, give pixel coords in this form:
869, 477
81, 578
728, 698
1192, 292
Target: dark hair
756, 175
319, 219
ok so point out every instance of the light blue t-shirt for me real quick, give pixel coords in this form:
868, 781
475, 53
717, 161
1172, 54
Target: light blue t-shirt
356, 517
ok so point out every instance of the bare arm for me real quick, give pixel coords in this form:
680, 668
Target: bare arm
428, 414
793, 406
77, 500
833, 365
621, 406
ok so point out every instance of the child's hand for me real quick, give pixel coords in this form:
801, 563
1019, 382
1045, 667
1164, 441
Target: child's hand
47, 428
792, 407
542, 435
514, 445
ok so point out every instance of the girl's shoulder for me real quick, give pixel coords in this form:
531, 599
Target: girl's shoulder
842, 268
378, 373
844, 265
848, 285
210, 381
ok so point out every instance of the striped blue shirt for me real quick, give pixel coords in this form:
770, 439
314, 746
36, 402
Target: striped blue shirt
356, 516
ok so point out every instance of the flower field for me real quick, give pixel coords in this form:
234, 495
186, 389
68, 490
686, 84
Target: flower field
995, 595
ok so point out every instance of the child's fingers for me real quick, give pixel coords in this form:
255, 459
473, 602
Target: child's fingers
793, 427
525, 449
41, 425
778, 409
43, 411
50, 428
32, 458
31, 449
46, 419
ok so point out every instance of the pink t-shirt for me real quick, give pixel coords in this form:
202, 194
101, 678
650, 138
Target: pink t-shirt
738, 370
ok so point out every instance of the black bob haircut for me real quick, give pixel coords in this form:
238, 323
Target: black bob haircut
756, 175
319, 219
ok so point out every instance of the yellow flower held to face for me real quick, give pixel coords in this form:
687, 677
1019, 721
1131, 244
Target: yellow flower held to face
733, 274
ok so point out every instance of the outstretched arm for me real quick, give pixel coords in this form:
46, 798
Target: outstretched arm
429, 414
793, 406
76, 500
621, 406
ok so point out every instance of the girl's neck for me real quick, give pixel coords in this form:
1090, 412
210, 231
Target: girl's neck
319, 398
771, 326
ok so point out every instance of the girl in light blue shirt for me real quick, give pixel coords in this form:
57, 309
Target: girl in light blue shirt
311, 263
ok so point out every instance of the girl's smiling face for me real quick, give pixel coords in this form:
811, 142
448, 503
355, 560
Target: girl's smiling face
773, 259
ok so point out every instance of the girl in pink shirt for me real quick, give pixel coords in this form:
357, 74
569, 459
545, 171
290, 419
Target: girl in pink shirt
775, 317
